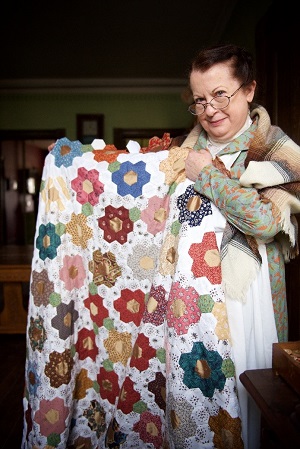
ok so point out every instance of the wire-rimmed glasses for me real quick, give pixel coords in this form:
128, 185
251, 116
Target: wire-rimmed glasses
218, 102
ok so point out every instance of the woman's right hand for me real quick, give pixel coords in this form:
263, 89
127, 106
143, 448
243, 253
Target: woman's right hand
195, 162
50, 147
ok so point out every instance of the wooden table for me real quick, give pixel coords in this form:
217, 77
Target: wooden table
15, 270
279, 405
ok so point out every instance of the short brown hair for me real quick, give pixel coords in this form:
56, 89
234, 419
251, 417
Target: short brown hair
241, 61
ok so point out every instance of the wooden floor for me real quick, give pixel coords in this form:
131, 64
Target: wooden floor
12, 368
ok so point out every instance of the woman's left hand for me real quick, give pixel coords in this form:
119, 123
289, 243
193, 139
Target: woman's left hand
195, 162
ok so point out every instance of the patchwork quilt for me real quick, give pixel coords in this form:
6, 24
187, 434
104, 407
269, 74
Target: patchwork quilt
128, 342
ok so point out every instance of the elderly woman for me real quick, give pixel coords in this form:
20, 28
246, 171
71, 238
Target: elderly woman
158, 277
247, 169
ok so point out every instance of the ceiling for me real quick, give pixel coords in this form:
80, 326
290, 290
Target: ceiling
118, 38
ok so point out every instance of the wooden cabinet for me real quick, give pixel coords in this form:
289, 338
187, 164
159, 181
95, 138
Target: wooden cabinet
279, 406
15, 270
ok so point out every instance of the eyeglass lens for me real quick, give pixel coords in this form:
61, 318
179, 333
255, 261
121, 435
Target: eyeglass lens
219, 102
216, 103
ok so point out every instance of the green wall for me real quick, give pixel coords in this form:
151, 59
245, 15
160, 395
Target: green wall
40, 111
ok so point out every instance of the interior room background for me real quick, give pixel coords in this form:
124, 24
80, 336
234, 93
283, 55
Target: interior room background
113, 70
118, 69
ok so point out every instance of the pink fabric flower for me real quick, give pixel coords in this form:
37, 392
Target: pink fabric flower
73, 272
87, 186
182, 308
51, 416
156, 213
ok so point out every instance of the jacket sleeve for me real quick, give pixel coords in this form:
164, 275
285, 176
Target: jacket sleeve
241, 206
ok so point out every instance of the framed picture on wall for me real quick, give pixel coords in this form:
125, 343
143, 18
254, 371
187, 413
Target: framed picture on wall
89, 127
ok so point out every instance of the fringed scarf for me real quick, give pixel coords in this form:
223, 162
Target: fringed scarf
273, 168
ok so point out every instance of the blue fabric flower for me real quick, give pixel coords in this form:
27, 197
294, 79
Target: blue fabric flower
203, 369
130, 178
33, 377
193, 217
64, 151
47, 241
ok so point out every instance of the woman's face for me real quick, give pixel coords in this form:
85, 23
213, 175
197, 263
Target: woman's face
221, 124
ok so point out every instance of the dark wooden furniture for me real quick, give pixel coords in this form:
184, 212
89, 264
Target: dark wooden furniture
15, 270
279, 405
12, 378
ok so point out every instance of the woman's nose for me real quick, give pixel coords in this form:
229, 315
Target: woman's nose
210, 110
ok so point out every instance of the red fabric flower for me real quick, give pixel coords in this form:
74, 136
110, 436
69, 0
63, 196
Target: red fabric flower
142, 353
128, 397
86, 345
97, 310
206, 258
131, 306
157, 144
108, 383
